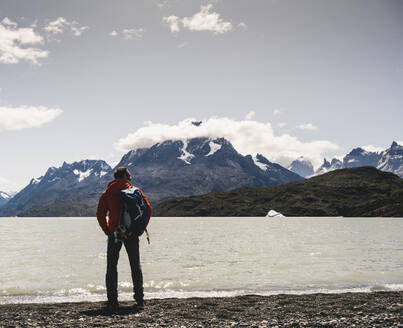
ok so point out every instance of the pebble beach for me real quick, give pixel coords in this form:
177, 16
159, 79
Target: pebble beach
376, 309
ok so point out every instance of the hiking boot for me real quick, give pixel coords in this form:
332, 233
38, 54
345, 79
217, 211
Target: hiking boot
112, 307
140, 304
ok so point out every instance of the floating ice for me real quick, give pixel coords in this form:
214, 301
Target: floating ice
274, 214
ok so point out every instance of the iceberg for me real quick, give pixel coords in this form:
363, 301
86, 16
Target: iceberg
274, 214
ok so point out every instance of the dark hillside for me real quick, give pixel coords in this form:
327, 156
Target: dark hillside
363, 191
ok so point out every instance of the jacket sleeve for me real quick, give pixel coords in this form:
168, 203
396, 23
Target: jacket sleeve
101, 213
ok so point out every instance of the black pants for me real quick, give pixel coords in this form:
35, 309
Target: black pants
132, 249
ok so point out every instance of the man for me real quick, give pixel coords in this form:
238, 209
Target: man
110, 202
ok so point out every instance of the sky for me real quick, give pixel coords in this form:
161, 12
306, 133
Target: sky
97, 78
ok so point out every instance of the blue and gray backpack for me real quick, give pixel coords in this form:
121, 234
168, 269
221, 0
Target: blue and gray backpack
133, 215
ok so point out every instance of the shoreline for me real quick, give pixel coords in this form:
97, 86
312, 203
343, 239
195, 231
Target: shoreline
374, 309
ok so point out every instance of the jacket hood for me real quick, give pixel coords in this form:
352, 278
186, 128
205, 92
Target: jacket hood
117, 185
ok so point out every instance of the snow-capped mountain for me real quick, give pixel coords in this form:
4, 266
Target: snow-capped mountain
78, 172
4, 198
165, 170
302, 167
327, 166
76, 181
360, 157
197, 166
390, 160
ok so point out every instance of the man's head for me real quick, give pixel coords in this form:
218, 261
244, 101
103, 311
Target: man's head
122, 173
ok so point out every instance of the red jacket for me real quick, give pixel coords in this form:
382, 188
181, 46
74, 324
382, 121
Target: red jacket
110, 202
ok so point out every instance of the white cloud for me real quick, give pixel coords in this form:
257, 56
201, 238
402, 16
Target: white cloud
61, 24
129, 33
57, 26
34, 24
9, 22
250, 115
281, 124
8, 186
242, 25
276, 112
14, 43
248, 137
204, 20
77, 31
133, 33
372, 148
173, 23
182, 44
162, 4
18, 118
307, 126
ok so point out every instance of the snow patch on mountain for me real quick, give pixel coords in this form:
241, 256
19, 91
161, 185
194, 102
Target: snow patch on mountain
82, 175
214, 147
372, 149
4, 195
186, 156
260, 165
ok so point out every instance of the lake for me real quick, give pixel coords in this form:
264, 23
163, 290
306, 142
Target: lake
64, 259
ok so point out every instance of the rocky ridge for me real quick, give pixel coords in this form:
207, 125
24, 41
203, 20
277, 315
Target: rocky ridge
389, 160
168, 169
73, 186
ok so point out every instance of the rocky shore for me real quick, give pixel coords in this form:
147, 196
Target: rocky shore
378, 309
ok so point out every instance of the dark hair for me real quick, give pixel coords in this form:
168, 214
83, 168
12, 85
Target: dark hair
121, 172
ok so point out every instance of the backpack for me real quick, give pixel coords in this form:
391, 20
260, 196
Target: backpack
134, 216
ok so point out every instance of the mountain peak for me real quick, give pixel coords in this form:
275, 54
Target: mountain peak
390, 160
357, 151
326, 163
302, 167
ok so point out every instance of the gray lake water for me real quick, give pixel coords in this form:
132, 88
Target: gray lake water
64, 259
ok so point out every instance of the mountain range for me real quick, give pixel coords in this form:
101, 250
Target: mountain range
71, 188
389, 160
165, 170
172, 169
